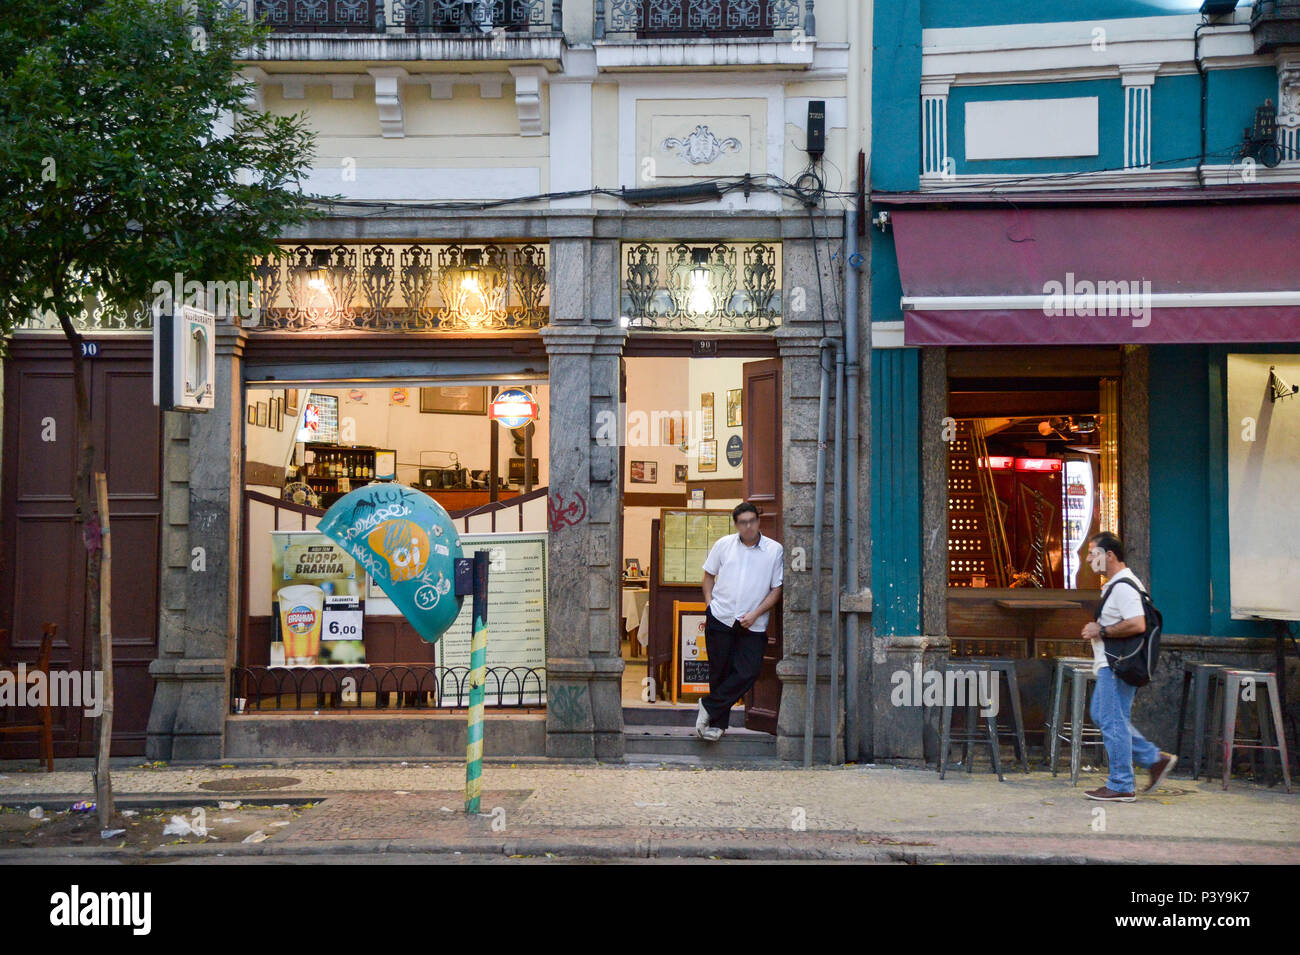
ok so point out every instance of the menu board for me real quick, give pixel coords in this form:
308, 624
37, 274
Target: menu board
685, 539
516, 620
692, 655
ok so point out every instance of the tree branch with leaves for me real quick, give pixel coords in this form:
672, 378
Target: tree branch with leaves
130, 151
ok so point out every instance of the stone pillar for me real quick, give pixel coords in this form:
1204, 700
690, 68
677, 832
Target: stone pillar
584, 664
1135, 459
175, 569
797, 340
200, 613
800, 401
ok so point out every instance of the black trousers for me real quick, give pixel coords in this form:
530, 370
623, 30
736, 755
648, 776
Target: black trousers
735, 660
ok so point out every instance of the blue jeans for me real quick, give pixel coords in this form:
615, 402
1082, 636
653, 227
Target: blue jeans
1112, 702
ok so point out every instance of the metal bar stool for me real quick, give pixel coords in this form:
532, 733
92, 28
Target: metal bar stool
1196, 682
1057, 726
1228, 685
969, 734
1079, 735
1016, 731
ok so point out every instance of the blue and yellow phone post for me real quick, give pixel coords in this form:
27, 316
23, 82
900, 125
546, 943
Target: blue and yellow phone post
477, 678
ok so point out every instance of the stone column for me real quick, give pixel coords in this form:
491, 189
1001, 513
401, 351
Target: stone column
1135, 459
797, 341
584, 664
800, 400
200, 614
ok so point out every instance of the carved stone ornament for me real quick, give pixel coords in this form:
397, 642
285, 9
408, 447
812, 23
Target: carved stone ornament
1288, 107
701, 147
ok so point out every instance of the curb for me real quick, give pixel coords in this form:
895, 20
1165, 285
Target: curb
604, 849
63, 801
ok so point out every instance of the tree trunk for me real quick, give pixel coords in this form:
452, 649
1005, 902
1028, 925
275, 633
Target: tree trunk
87, 515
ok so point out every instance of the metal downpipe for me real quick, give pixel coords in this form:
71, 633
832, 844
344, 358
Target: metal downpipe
853, 370
837, 578
819, 510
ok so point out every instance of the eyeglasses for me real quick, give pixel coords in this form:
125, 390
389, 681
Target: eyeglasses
748, 522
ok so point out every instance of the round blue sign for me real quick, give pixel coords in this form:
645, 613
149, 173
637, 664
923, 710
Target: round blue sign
513, 408
735, 449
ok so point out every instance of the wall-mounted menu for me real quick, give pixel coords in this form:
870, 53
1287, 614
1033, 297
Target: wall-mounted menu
685, 538
516, 621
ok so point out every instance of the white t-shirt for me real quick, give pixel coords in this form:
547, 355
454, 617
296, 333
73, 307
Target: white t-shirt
745, 575
1123, 604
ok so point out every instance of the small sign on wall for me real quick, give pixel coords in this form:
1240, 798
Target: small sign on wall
184, 359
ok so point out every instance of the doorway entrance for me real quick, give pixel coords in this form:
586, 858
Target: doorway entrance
702, 435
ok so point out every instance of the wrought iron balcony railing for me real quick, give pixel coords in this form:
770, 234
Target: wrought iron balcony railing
721, 287
406, 16
703, 19
413, 287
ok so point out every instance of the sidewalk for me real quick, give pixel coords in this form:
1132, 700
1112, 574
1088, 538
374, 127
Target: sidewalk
880, 814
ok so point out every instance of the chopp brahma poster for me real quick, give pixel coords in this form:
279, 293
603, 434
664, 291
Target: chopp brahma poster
317, 600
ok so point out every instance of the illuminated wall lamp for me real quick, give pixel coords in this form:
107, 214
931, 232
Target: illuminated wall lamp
701, 299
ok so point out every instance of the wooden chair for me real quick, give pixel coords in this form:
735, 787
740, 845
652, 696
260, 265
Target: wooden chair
44, 725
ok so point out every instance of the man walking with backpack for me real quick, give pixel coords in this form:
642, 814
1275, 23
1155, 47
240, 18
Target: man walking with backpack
1121, 616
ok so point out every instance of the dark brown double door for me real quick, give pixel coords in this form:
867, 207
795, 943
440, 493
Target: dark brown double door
43, 560
761, 485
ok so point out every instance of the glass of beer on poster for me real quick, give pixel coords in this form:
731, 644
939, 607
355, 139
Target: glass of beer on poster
318, 597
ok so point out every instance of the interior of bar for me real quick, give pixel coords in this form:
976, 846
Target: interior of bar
1033, 473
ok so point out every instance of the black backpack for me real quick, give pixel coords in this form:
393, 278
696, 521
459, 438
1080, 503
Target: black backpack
1134, 659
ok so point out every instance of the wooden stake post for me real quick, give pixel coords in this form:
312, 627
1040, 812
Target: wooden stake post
103, 782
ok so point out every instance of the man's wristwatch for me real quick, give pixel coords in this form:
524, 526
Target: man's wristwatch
1103, 633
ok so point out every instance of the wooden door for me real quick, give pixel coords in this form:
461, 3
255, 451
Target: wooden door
761, 485
43, 561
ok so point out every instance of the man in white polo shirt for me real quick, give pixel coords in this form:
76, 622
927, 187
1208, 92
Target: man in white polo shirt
742, 583
1121, 615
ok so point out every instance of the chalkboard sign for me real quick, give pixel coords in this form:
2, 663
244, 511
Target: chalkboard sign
691, 656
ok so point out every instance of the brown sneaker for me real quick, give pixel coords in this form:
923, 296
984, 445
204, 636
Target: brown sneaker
1158, 770
1105, 795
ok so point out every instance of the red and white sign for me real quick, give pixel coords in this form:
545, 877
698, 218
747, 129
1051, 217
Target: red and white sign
513, 408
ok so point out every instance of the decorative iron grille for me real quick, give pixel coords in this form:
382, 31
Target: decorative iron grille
319, 16
413, 287
702, 18
381, 686
411, 16
96, 318
459, 16
688, 287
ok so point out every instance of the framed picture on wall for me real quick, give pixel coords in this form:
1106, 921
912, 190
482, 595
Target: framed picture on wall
645, 472
706, 415
733, 407
454, 399
277, 413
261, 414
291, 402
709, 455
252, 414
672, 430
679, 474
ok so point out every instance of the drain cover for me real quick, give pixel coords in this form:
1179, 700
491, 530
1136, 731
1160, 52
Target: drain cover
248, 784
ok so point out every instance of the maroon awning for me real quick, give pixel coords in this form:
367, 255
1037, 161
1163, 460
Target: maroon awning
1100, 275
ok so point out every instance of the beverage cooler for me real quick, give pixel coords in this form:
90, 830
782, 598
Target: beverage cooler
1078, 495
1030, 501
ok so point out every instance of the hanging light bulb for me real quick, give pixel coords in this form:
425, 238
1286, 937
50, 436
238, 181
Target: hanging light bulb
701, 298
